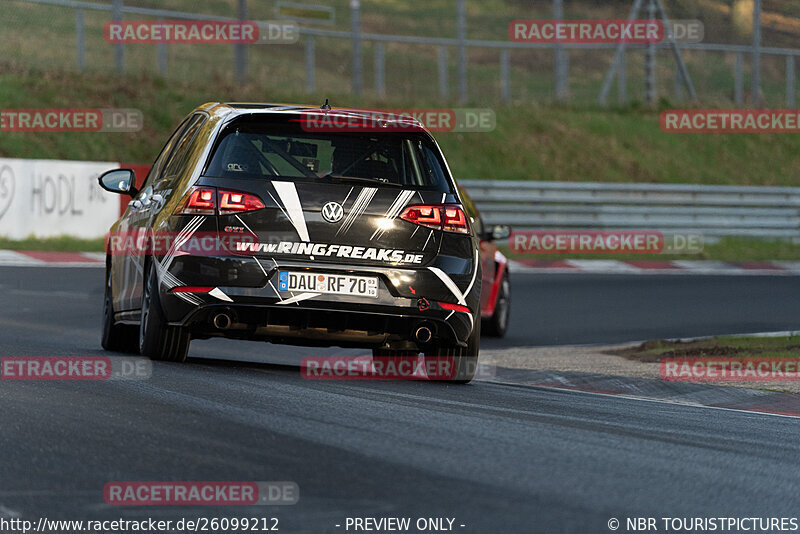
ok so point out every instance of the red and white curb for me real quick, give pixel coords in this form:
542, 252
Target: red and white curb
693, 267
40, 258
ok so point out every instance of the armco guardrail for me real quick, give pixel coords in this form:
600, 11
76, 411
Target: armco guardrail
763, 212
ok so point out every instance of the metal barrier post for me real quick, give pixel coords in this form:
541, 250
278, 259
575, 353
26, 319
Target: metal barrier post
505, 77
756, 96
119, 48
80, 39
442, 64
462, 51
310, 64
240, 49
355, 22
738, 80
380, 69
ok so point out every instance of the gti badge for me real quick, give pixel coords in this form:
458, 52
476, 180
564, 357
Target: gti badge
332, 212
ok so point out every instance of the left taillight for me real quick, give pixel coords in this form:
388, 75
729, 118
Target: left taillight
212, 201
201, 201
449, 218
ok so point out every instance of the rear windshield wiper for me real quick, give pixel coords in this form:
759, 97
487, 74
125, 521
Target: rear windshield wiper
336, 178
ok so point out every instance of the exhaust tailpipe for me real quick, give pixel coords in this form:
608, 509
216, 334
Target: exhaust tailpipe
222, 321
423, 334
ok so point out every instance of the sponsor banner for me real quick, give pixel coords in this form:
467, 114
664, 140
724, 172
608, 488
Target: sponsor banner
586, 31
49, 198
730, 121
74, 368
200, 493
438, 120
111, 120
730, 369
200, 32
586, 242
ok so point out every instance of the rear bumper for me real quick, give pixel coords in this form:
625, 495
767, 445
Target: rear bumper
408, 299
321, 325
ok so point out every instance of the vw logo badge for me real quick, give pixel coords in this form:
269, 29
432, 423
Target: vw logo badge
332, 212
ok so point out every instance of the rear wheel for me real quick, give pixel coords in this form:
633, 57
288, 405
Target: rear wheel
157, 339
464, 359
497, 324
116, 337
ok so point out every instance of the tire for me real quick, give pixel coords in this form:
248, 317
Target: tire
157, 339
465, 359
116, 337
497, 324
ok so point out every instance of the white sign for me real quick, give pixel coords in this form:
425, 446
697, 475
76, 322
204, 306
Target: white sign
49, 198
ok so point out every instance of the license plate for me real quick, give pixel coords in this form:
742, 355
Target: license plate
333, 284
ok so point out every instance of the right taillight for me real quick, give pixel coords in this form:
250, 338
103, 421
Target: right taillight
448, 218
211, 201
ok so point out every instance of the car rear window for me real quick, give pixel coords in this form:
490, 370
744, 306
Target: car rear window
258, 148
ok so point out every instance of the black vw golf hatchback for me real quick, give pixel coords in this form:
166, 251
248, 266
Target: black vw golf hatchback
297, 225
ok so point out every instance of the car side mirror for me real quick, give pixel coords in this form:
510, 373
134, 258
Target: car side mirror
119, 181
498, 232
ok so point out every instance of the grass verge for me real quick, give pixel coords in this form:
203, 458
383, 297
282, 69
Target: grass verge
530, 142
733, 347
57, 244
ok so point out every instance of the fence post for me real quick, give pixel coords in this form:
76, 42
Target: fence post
380, 71
561, 60
650, 61
161, 52
756, 96
790, 79
442, 63
310, 64
80, 39
738, 80
240, 49
119, 50
505, 77
355, 23
622, 78
462, 51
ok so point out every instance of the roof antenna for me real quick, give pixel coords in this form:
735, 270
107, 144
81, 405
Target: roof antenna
326, 105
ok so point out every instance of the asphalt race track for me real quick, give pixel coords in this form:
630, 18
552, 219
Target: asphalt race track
497, 458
